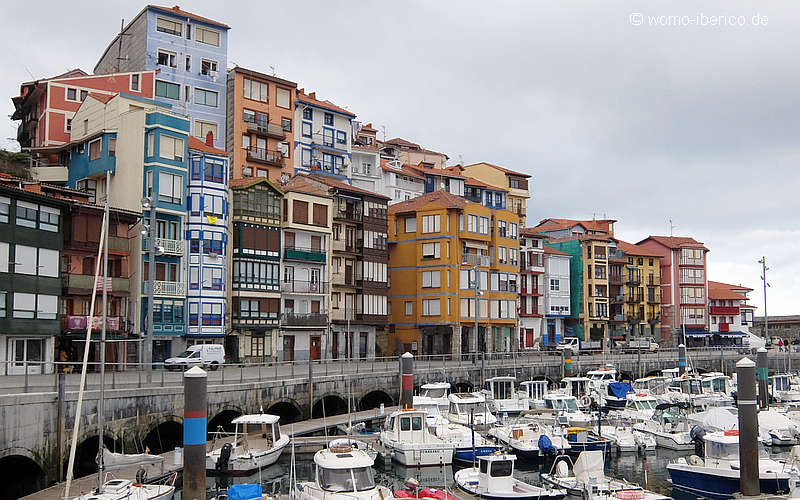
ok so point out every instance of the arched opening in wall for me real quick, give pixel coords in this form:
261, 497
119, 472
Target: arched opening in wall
20, 476
463, 386
222, 421
374, 399
328, 406
653, 373
287, 411
86, 455
625, 376
166, 436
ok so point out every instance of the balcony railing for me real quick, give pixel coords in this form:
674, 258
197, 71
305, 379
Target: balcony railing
298, 286
167, 288
692, 280
633, 298
294, 252
685, 261
617, 299
655, 299
86, 282
726, 310
471, 259
615, 279
351, 215
263, 127
633, 279
530, 290
692, 300
617, 317
262, 155
80, 322
651, 281
171, 247
304, 319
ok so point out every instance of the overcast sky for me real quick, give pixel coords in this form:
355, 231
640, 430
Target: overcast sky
612, 112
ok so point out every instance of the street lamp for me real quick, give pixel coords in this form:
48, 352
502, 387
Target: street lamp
632, 321
476, 286
764, 269
152, 250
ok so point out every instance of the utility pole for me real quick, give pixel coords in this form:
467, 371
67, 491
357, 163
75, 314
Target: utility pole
149, 232
101, 402
764, 270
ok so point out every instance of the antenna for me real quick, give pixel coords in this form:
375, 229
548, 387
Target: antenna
119, 45
671, 227
272, 68
383, 128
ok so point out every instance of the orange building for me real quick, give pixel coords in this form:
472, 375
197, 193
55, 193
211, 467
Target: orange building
260, 124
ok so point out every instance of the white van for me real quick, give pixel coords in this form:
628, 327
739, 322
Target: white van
205, 355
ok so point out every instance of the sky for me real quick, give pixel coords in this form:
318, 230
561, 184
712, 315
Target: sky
656, 114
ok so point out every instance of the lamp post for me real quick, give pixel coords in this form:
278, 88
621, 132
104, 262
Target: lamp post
764, 270
152, 250
476, 284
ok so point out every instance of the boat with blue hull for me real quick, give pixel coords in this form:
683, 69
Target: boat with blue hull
717, 474
580, 439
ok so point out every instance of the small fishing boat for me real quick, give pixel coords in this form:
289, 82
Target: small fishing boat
654, 385
669, 427
355, 444
580, 388
717, 474
580, 439
502, 397
410, 442
470, 407
342, 473
780, 388
257, 443
435, 392
586, 477
494, 478
566, 409
621, 436
530, 439
639, 407
468, 443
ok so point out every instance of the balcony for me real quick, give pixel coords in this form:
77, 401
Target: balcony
633, 298
638, 317
74, 282
617, 299
349, 215
617, 318
113, 323
343, 279
655, 299
692, 280
633, 279
167, 288
298, 286
724, 310
304, 319
686, 261
471, 259
265, 156
303, 253
615, 279
265, 129
531, 290
171, 247
651, 281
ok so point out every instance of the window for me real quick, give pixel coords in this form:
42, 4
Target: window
341, 137
300, 211
306, 157
411, 224
254, 90
214, 171
69, 124
208, 67
27, 213
502, 228
306, 129
166, 58
85, 130
554, 285
431, 250
431, 307
201, 129
484, 228
171, 148
327, 137
472, 223
25, 259
112, 147
212, 205
282, 97
168, 26
168, 89
4, 256
170, 188
286, 124
320, 215
409, 306
72, 94
48, 262
431, 279
431, 223
205, 35
135, 82
94, 149
328, 118
205, 97
48, 219
24, 305
84, 94
188, 63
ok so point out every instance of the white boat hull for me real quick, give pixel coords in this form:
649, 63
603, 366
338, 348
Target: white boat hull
243, 462
421, 456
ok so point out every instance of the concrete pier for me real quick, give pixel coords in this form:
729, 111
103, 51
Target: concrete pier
195, 420
748, 428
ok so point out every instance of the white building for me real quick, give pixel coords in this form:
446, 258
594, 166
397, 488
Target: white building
365, 167
323, 139
731, 315
557, 294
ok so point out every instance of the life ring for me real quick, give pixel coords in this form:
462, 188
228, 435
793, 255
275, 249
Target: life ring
585, 400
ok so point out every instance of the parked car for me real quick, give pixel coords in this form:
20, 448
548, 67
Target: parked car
575, 346
209, 356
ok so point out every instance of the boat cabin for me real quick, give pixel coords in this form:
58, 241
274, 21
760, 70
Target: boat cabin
672, 416
650, 385
496, 472
576, 386
342, 469
716, 383
641, 402
670, 373
464, 403
435, 390
408, 425
721, 446
779, 382
265, 424
534, 389
500, 387
560, 402
686, 385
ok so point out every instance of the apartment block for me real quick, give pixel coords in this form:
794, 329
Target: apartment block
411, 153
556, 294
731, 315
532, 286
514, 183
260, 123
323, 143
366, 170
635, 291
189, 53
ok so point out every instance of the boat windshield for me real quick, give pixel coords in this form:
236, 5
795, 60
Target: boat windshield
780, 383
341, 480
364, 478
570, 404
434, 393
722, 451
501, 468
467, 408
432, 410
645, 404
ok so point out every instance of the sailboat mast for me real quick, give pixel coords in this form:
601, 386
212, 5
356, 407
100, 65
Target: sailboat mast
101, 403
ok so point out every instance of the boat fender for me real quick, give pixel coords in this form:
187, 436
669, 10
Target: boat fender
562, 469
696, 461
141, 476
224, 457
586, 400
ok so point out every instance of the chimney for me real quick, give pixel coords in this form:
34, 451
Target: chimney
176, 8
312, 95
303, 90
210, 139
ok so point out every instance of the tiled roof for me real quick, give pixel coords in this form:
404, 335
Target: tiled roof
404, 170
341, 185
397, 141
298, 184
176, 10
553, 251
475, 182
441, 197
498, 167
198, 145
632, 249
433, 171
676, 242
718, 284
308, 99
368, 128
594, 225
582, 237
724, 294
104, 98
269, 78
252, 181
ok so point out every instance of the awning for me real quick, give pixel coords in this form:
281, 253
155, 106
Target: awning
480, 245
698, 333
730, 334
352, 198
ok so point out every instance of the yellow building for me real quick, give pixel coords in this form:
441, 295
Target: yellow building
635, 282
515, 182
435, 243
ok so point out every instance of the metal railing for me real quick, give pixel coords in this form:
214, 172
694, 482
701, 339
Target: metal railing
470, 259
171, 247
265, 155
304, 319
300, 286
167, 288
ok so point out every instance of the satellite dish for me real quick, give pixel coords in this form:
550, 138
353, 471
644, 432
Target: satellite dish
284, 178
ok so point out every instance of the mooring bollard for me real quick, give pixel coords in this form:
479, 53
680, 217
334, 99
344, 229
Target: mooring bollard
748, 427
407, 380
195, 416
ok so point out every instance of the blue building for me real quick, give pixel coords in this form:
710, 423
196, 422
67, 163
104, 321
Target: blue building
323, 140
190, 53
208, 215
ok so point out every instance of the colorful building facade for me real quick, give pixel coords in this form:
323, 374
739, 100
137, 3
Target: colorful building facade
516, 184
323, 141
635, 291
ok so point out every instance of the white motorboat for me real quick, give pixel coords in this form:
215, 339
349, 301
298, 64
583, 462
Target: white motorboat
639, 407
586, 478
566, 411
470, 408
356, 444
432, 410
257, 443
599, 379
624, 438
534, 390
531, 439
502, 397
717, 474
494, 478
653, 385
125, 489
689, 389
342, 473
780, 388
467, 442
410, 442
579, 387
774, 427
436, 392
669, 427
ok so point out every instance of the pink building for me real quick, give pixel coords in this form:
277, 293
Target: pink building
684, 284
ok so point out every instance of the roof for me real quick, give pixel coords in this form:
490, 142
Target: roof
341, 185
256, 74
632, 249
592, 225
529, 231
198, 145
263, 418
176, 10
498, 167
434, 171
442, 197
718, 284
676, 242
403, 170
475, 182
581, 237
368, 128
724, 291
553, 251
104, 98
299, 184
312, 99
397, 141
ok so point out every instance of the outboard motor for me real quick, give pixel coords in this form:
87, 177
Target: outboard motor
141, 476
697, 434
224, 457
